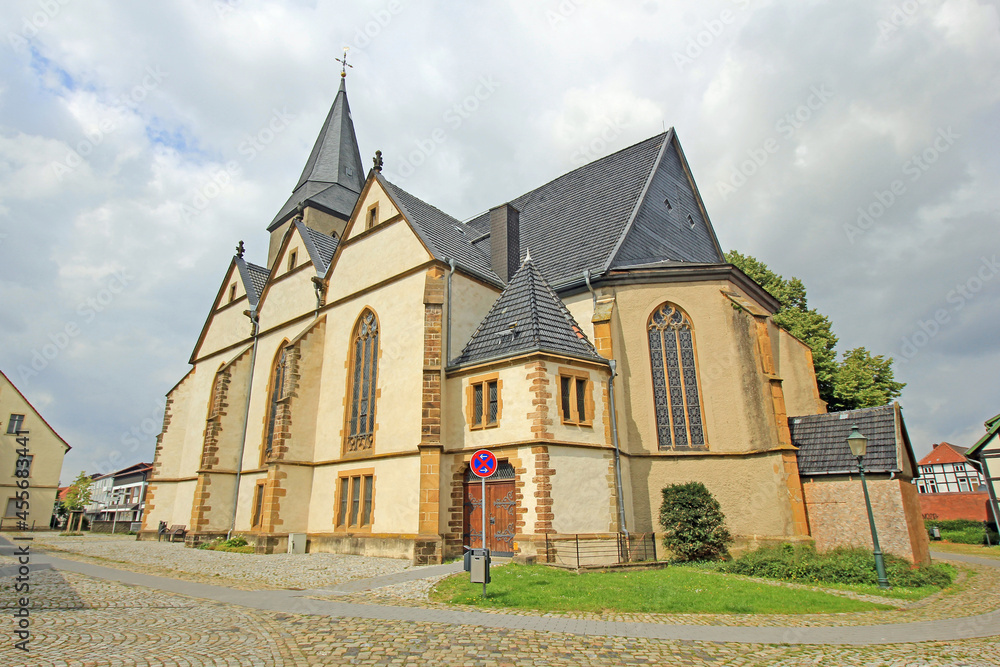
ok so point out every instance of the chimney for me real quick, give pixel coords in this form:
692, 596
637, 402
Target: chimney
934, 447
505, 241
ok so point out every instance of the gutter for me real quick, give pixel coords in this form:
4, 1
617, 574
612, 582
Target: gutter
614, 437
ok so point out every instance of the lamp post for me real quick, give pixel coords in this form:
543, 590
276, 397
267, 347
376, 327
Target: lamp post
859, 444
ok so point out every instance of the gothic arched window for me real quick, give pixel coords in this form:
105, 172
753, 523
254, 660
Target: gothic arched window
277, 390
675, 379
362, 385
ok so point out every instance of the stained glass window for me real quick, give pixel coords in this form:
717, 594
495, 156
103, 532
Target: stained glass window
364, 376
675, 380
277, 392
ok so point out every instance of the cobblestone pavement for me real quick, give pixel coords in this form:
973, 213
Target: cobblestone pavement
84, 621
89, 622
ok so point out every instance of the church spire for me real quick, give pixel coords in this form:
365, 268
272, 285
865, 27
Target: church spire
333, 176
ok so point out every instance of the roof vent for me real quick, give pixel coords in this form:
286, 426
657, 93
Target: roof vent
691, 221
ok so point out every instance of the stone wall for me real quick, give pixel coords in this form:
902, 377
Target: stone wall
837, 515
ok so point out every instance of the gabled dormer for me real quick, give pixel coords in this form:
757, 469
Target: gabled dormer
240, 291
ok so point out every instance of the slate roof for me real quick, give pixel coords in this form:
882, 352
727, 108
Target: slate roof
822, 441
258, 277
445, 236
320, 246
611, 211
527, 317
333, 176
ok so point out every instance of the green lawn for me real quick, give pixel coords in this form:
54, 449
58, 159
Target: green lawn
674, 589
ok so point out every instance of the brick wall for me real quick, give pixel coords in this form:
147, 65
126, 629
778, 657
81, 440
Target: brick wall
973, 506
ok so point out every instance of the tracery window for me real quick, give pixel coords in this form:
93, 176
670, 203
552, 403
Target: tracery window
363, 380
277, 391
675, 380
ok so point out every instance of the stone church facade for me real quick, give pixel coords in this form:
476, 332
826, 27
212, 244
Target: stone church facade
589, 333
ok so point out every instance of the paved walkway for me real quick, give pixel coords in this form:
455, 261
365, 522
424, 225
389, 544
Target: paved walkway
297, 602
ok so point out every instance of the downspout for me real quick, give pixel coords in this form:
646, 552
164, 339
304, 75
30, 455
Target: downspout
593, 294
447, 360
614, 438
614, 421
255, 330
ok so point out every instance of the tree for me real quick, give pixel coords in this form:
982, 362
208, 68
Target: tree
863, 381
694, 527
78, 496
841, 385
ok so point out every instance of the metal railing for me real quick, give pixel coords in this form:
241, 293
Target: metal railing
596, 549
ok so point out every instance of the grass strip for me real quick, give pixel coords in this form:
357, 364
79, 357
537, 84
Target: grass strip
676, 589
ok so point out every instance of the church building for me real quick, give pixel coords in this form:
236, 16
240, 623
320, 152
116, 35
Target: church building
589, 333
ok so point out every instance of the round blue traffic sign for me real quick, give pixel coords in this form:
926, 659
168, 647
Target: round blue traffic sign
484, 463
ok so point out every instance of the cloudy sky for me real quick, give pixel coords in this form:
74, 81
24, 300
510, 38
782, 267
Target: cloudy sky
851, 143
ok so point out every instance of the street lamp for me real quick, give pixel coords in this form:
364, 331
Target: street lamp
859, 444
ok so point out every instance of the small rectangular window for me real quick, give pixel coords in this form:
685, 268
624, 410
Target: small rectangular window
484, 404
566, 385
232, 292
372, 219
494, 407
963, 484
15, 423
355, 500
574, 397
293, 257
11, 510
477, 405
366, 508
342, 515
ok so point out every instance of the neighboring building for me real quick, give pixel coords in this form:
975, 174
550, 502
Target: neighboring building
986, 452
832, 486
119, 497
23, 427
341, 390
949, 485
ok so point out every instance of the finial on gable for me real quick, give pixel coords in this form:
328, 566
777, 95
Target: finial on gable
240, 250
378, 161
527, 255
344, 64
299, 210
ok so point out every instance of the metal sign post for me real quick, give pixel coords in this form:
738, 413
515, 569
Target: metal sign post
484, 464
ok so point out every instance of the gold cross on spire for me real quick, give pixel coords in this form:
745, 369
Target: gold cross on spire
344, 64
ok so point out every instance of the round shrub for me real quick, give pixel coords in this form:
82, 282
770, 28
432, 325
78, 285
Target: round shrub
693, 523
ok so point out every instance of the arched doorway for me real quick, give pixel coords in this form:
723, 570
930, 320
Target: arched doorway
501, 515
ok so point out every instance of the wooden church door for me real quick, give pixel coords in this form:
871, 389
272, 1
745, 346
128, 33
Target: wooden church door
500, 526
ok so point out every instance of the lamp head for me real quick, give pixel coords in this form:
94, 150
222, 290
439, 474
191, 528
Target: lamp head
857, 442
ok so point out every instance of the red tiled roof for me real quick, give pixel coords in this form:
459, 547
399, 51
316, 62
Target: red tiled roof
945, 453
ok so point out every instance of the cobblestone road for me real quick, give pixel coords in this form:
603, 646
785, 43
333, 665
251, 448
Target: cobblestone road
89, 622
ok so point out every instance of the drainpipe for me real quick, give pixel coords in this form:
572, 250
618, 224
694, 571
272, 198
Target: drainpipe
614, 437
593, 294
614, 421
451, 263
255, 330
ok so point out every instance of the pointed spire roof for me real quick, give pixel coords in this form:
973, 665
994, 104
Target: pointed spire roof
527, 317
333, 176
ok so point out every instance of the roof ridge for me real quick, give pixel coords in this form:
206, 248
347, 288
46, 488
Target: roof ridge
599, 160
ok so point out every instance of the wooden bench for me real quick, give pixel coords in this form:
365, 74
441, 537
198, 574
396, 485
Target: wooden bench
177, 531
